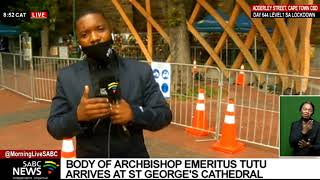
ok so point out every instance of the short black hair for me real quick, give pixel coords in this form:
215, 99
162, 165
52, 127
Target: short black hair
91, 10
307, 102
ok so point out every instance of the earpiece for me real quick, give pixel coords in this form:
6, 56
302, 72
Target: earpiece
80, 47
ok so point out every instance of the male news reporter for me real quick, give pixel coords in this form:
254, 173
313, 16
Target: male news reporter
103, 129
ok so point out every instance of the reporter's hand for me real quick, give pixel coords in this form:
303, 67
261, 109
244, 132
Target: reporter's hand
92, 108
121, 113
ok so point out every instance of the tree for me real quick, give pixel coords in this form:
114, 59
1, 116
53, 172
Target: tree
179, 41
33, 26
179, 37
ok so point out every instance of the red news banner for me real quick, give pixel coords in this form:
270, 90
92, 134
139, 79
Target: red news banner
285, 11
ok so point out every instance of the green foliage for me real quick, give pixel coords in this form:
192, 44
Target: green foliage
192, 93
175, 2
174, 18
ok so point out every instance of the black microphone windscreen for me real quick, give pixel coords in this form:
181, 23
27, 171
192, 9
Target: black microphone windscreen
109, 88
114, 92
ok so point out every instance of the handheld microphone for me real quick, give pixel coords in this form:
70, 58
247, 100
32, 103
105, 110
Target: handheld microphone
114, 96
111, 90
102, 91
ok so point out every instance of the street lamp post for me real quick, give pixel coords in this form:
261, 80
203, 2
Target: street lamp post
74, 49
74, 18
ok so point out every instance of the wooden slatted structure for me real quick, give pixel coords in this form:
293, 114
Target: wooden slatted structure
294, 59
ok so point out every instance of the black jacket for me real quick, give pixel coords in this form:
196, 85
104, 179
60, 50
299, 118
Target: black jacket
138, 88
313, 136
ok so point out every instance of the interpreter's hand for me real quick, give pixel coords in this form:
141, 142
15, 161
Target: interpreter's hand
92, 108
304, 144
307, 126
121, 113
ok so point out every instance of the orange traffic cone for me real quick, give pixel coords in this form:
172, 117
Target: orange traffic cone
200, 123
240, 79
67, 150
228, 142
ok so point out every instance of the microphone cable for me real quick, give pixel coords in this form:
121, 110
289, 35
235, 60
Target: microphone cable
108, 136
108, 139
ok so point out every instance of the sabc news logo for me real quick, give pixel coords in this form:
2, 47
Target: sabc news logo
35, 168
51, 166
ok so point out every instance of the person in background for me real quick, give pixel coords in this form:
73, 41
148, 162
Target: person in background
83, 107
3, 45
305, 132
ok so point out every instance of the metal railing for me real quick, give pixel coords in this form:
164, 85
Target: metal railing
39, 83
45, 71
185, 84
16, 74
35, 78
256, 101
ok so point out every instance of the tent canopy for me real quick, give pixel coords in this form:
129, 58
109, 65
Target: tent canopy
209, 24
243, 23
6, 30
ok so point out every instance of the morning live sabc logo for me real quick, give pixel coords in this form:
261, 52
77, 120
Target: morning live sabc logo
35, 168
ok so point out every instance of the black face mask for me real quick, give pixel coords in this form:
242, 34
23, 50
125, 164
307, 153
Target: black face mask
99, 53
